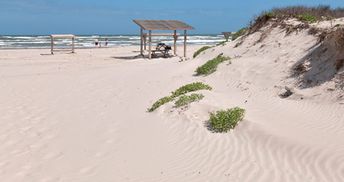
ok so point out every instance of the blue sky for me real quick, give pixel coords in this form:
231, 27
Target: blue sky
115, 16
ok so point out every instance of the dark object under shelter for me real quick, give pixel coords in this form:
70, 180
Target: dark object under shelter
162, 25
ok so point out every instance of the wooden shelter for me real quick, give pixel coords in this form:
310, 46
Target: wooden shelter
153, 25
227, 35
62, 36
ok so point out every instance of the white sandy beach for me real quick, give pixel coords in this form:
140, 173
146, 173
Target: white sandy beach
83, 117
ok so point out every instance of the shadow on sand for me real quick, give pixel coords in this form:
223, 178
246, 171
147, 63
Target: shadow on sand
130, 57
140, 57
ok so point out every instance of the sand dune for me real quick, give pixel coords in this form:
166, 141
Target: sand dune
82, 117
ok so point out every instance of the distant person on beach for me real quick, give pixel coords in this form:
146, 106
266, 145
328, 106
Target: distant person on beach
96, 43
106, 42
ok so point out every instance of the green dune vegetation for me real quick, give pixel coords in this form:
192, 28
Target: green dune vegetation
199, 51
187, 99
225, 120
307, 15
210, 66
239, 33
192, 87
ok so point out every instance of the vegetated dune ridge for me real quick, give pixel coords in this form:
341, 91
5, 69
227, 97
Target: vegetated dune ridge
82, 117
292, 139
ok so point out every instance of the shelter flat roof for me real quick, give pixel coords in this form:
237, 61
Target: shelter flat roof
163, 25
62, 35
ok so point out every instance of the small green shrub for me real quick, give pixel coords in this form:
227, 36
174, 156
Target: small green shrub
225, 120
211, 66
190, 88
160, 102
199, 51
270, 14
307, 18
222, 43
260, 21
180, 91
239, 33
187, 99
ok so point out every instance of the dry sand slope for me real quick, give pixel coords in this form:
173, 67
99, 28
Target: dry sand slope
83, 117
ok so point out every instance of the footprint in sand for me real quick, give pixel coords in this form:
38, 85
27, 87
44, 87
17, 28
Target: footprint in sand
100, 154
87, 170
109, 141
49, 179
19, 152
50, 156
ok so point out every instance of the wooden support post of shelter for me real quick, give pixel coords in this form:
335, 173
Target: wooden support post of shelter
73, 44
62, 36
52, 44
141, 43
162, 25
185, 39
145, 42
150, 44
175, 42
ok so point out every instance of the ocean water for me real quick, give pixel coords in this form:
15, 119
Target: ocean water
87, 41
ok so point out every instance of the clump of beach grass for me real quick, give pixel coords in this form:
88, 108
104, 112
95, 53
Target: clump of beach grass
160, 102
211, 66
304, 14
222, 43
199, 51
224, 120
307, 18
192, 87
239, 33
319, 12
188, 99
